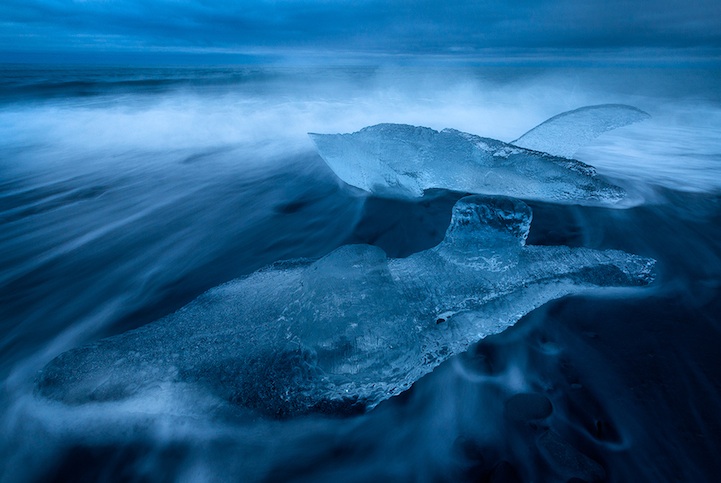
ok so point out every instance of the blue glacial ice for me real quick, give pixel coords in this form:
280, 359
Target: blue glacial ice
401, 161
348, 330
566, 133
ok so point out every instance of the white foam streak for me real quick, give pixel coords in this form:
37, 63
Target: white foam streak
677, 148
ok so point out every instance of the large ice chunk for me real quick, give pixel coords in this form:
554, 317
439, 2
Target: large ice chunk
351, 328
566, 133
398, 160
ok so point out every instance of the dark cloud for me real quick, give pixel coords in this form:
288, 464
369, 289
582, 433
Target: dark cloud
374, 26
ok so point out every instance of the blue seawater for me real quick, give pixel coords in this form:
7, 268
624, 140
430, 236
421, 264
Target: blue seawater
127, 192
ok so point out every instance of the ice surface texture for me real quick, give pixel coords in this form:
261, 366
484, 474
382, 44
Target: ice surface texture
566, 133
401, 161
352, 328
398, 160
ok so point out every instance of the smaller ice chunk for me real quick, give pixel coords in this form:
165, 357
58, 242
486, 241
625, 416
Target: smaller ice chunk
351, 329
401, 161
566, 133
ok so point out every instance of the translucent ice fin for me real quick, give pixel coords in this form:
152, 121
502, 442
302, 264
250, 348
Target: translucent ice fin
349, 330
401, 161
566, 133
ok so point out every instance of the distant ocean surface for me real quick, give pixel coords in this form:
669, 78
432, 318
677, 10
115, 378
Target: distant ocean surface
127, 192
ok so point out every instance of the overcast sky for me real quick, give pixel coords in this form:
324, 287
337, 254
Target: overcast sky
377, 27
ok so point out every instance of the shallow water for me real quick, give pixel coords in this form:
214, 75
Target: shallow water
125, 193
